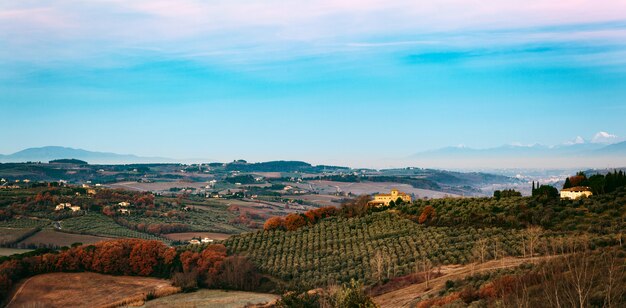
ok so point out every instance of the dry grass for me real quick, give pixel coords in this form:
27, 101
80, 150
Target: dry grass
404, 297
88, 290
157, 186
213, 298
12, 251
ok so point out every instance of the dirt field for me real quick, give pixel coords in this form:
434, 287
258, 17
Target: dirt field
212, 298
329, 187
185, 236
12, 251
157, 186
406, 297
326, 200
46, 237
81, 290
10, 235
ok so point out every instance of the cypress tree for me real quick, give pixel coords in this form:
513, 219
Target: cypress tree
567, 184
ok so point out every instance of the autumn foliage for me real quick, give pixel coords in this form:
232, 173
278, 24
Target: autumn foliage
352, 208
274, 223
133, 257
427, 214
294, 222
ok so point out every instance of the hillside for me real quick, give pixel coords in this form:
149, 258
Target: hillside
338, 249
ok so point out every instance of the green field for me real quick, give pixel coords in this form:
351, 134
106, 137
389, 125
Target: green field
98, 224
25, 223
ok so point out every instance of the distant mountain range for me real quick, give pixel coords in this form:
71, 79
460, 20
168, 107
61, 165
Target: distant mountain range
518, 156
48, 153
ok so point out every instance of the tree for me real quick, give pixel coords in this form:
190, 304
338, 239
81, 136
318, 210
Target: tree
378, 264
294, 222
274, 223
480, 249
546, 193
532, 235
497, 194
567, 184
597, 183
427, 214
239, 273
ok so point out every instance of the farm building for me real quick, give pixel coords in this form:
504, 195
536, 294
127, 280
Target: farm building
62, 206
385, 199
576, 192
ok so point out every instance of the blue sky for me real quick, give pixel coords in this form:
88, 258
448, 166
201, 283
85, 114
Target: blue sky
321, 81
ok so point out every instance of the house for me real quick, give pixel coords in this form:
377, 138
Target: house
124, 204
62, 206
124, 211
576, 192
194, 242
91, 191
75, 208
206, 240
385, 199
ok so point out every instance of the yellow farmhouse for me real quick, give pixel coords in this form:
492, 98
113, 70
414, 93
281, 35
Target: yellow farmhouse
576, 192
385, 199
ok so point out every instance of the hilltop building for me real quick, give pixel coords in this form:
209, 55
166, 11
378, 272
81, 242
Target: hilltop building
62, 206
385, 199
576, 192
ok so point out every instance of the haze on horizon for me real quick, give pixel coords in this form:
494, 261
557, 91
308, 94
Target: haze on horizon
365, 83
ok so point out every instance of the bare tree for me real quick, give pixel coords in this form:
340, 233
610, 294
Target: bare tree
582, 274
378, 264
480, 249
427, 267
532, 237
614, 276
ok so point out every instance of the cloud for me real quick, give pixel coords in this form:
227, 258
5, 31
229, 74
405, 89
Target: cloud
577, 140
604, 137
43, 30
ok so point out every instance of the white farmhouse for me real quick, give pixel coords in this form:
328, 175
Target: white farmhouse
62, 206
576, 192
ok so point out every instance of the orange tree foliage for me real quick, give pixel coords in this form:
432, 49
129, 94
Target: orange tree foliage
353, 208
427, 214
208, 262
274, 223
294, 222
134, 257
117, 257
313, 216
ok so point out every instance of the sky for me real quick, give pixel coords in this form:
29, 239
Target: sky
360, 83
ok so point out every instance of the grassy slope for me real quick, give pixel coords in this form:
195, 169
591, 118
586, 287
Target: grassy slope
338, 249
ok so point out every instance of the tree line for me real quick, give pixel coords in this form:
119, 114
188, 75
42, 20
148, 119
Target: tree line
209, 267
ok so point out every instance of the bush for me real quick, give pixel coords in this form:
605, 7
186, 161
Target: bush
187, 280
